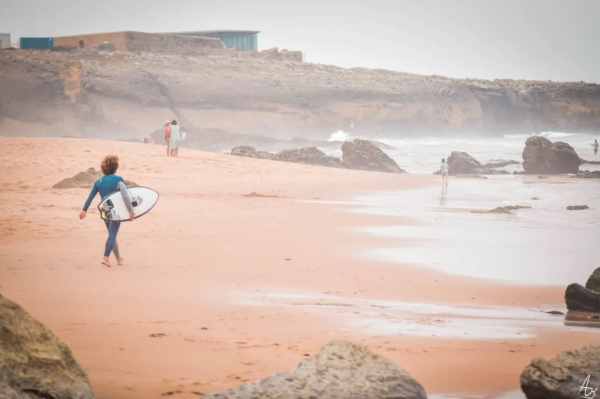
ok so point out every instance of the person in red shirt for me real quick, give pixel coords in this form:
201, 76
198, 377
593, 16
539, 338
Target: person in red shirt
167, 130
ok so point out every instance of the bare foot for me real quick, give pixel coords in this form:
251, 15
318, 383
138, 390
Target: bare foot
106, 262
120, 261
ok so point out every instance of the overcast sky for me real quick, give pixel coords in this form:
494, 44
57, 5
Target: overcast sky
522, 39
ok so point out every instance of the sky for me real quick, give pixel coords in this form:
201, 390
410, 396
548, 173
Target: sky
555, 40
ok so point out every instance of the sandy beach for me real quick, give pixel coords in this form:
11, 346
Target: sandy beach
222, 286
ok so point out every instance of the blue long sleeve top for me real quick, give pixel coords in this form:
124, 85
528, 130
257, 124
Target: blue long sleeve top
105, 185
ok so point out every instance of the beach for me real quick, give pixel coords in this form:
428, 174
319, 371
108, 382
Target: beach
246, 266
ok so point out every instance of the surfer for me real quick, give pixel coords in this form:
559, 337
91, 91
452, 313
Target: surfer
444, 171
106, 185
167, 131
595, 145
175, 138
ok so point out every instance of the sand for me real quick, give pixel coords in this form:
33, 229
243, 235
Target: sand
217, 277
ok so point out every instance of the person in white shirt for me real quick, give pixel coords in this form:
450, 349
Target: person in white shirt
444, 171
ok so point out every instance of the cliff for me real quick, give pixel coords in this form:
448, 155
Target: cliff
130, 94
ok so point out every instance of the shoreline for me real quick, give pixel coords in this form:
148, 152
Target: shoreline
206, 241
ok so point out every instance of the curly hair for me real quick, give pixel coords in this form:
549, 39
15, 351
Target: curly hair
110, 164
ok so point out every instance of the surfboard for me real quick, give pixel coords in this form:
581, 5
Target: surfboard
113, 206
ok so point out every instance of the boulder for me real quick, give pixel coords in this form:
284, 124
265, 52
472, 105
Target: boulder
341, 370
593, 282
582, 299
563, 376
461, 163
500, 163
244, 151
364, 155
543, 156
84, 180
34, 363
577, 207
307, 155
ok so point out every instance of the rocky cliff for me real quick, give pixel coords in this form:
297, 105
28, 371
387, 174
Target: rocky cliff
130, 94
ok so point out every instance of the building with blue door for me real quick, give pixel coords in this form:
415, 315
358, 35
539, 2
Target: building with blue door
36, 42
241, 40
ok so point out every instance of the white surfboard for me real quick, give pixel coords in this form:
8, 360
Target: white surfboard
113, 207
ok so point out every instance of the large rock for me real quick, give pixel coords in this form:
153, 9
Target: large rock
541, 156
341, 370
563, 376
582, 299
593, 282
307, 155
461, 163
34, 363
364, 155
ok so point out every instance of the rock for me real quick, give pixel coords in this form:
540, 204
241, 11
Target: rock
34, 363
341, 370
501, 163
583, 161
85, 180
364, 155
563, 376
504, 209
577, 207
244, 151
462, 163
589, 175
593, 282
307, 155
582, 299
541, 156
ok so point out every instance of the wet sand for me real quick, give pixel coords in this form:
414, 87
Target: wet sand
220, 288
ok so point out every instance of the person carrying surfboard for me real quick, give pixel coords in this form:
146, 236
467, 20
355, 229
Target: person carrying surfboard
106, 185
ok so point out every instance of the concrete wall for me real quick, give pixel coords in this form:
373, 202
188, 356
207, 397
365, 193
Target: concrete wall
116, 40
4, 40
172, 44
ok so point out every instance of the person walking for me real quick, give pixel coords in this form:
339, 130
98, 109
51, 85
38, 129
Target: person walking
595, 145
175, 138
106, 185
167, 131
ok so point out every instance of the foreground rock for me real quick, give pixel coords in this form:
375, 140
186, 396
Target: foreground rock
562, 377
359, 155
582, 299
34, 363
364, 155
341, 370
593, 282
85, 180
504, 209
541, 156
577, 207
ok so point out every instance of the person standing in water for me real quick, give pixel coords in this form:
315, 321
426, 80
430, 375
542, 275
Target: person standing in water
595, 145
444, 171
175, 138
106, 185
167, 131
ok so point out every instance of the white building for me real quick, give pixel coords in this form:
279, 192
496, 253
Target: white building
4, 40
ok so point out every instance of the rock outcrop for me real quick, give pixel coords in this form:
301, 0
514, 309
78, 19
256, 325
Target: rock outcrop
563, 376
541, 156
359, 155
461, 163
577, 207
364, 155
85, 180
504, 209
593, 282
341, 370
588, 175
582, 299
34, 363
499, 164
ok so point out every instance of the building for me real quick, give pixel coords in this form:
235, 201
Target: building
240, 40
4, 40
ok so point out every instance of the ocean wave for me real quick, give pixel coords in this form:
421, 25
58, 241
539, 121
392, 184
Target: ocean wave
340, 135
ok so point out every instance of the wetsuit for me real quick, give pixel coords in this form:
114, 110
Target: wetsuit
107, 185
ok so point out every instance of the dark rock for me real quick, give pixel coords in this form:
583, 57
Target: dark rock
555, 312
582, 299
589, 175
563, 376
583, 161
541, 156
341, 370
34, 363
593, 282
577, 207
499, 164
364, 155
462, 163
308, 156
504, 209
244, 151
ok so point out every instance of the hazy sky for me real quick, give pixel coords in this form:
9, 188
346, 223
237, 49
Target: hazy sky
521, 39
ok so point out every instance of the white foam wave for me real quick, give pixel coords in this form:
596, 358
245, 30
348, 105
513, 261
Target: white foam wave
340, 135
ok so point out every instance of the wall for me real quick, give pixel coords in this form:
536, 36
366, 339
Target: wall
5, 40
116, 40
172, 44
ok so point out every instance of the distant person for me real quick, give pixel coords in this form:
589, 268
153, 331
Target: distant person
175, 139
183, 136
167, 131
106, 185
595, 145
444, 171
